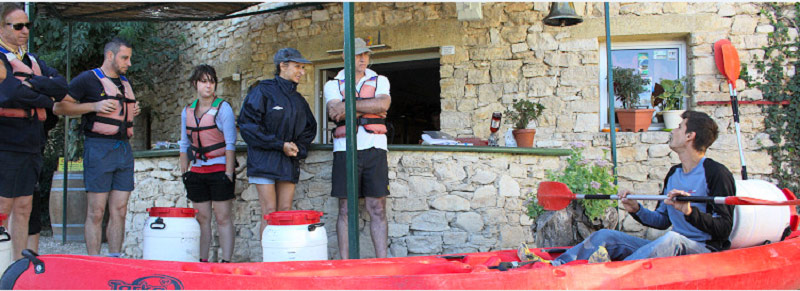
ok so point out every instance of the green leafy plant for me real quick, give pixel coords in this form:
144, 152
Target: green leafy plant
524, 111
628, 85
50, 37
672, 98
776, 83
583, 176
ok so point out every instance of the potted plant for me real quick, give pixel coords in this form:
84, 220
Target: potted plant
582, 175
627, 87
524, 111
671, 102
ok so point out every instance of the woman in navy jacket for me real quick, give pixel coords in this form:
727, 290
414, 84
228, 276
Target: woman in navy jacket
278, 126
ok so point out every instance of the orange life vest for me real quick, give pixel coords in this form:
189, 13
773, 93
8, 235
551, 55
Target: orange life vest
204, 132
372, 123
23, 72
121, 119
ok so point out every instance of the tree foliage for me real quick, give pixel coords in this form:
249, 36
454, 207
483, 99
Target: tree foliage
50, 39
776, 78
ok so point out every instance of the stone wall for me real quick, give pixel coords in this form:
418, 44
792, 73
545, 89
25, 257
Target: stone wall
440, 202
507, 54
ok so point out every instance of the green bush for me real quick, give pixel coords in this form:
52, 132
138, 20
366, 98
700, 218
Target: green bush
583, 176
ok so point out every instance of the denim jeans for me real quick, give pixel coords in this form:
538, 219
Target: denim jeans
622, 246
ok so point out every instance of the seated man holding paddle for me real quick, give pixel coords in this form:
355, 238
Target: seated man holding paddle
697, 227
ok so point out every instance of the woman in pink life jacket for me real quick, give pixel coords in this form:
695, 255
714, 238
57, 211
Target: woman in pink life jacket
207, 160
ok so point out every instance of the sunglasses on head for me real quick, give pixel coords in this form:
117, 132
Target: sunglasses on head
19, 26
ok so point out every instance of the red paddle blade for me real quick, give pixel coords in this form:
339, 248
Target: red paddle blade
718, 55
732, 66
734, 200
554, 195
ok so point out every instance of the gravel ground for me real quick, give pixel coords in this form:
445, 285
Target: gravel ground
53, 245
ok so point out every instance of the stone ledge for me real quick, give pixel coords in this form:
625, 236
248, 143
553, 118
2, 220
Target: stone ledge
411, 148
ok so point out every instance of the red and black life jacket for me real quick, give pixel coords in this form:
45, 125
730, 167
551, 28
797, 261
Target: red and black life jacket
372, 123
121, 119
23, 73
207, 139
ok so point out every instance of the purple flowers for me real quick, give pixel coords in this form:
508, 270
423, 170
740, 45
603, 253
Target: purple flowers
577, 144
595, 184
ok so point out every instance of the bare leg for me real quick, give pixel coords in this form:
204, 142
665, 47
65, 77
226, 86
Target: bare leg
20, 209
376, 207
93, 230
285, 193
267, 200
33, 242
117, 209
341, 229
222, 212
204, 219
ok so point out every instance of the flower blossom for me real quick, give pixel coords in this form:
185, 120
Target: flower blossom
577, 144
595, 184
584, 162
601, 163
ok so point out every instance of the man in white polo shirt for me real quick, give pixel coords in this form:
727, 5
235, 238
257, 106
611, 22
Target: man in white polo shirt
372, 103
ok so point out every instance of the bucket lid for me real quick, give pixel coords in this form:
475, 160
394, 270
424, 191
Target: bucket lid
171, 212
293, 217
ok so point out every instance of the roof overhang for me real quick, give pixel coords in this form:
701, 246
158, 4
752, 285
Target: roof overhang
157, 11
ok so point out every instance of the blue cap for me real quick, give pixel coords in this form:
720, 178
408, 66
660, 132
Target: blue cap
289, 55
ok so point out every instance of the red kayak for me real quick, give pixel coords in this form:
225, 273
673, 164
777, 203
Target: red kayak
760, 267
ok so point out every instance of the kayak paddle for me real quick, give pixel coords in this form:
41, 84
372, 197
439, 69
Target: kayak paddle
727, 59
718, 60
556, 196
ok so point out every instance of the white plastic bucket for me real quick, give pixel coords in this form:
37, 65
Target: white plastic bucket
171, 234
6, 249
754, 225
294, 236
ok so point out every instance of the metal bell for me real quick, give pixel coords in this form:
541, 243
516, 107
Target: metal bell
562, 14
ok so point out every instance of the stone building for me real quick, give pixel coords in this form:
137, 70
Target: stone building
458, 64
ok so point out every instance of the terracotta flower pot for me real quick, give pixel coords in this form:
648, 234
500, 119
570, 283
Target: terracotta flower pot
635, 120
524, 137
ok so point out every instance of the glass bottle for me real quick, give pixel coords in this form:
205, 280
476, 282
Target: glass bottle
494, 127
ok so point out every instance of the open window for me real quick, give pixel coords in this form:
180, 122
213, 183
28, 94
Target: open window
654, 60
416, 103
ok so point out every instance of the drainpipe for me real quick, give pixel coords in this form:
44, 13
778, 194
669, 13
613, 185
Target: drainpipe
350, 127
610, 74
611, 124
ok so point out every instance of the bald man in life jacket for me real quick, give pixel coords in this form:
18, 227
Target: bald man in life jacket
28, 88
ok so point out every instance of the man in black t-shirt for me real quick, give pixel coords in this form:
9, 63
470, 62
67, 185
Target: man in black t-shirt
108, 106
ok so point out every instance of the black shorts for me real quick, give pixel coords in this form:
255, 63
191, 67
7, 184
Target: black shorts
373, 174
19, 173
209, 186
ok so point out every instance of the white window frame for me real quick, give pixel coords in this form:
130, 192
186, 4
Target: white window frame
603, 67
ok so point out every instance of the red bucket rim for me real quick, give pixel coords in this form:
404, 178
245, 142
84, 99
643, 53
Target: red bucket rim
171, 212
293, 217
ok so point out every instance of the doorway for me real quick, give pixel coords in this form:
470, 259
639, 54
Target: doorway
416, 103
